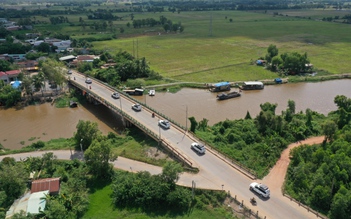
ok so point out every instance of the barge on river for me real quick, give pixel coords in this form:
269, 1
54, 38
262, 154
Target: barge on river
252, 85
220, 87
136, 92
224, 96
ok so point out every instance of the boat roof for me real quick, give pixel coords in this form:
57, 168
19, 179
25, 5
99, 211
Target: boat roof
221, 84
253, 83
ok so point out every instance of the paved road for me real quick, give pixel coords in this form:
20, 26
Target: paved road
214, 172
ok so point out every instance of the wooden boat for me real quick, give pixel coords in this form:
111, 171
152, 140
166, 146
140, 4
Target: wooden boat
152, 92
252, 85
224, 96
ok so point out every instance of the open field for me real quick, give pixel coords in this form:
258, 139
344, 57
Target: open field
195, 56
226, 53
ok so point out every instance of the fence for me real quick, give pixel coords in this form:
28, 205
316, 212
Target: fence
239, 208
319, 215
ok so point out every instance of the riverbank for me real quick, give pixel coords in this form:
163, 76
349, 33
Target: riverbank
176, 86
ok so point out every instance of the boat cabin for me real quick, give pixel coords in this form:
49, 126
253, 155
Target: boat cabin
222, 86
252, 85
136, 91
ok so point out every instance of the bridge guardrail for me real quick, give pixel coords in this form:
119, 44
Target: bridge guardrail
234, 163
304, 206
139, 125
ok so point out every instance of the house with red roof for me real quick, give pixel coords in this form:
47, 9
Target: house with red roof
51, 184
9, 76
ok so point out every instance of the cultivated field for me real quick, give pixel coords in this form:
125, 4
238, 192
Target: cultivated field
195, 55
224, 47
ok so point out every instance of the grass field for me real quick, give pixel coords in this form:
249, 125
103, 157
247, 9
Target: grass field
226, 52
101, 207
194, 55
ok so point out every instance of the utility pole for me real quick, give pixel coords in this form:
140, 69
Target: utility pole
186, 118
210, 32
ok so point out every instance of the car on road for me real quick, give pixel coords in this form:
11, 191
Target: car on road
69, 71
136, 107
115, 95
164, 124
88, 81
261, 189
198, 148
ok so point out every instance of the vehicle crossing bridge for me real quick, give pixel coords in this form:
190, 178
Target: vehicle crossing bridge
215, 169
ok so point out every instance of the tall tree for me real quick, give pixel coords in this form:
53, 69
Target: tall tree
87, 131
97, 158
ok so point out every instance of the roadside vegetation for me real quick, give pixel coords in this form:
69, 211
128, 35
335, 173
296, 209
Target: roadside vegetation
160, 43
258, 142
319, 175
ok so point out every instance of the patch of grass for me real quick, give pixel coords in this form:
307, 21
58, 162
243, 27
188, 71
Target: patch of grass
135, 145
32, 138
101, 206
22, 142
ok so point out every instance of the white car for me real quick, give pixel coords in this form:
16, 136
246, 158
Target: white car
261, 189
198, 148
164, 124
136, 107
88, 81
115, 95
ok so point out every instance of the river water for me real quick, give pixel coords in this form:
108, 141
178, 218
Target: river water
18, 127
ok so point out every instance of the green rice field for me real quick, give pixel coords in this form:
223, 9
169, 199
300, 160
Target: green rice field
221, 45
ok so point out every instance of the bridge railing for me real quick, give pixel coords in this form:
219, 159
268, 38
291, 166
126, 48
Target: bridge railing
139, 125
237, 165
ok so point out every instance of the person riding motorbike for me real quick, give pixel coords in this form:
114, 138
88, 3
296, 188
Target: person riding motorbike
153, 115
253, 200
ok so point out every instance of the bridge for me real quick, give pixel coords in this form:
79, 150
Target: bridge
216, 171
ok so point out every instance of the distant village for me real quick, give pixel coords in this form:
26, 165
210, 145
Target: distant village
24, 65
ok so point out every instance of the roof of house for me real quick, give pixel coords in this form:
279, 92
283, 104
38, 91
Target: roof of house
86, 58
51, 184
37, 202
2, 73
64, 58
13, 72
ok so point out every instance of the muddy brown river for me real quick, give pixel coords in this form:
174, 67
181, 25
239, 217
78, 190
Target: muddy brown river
18, 127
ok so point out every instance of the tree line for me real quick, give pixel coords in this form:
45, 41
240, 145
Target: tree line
320, 175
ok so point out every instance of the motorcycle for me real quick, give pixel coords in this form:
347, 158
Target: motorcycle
253, 201
153, 115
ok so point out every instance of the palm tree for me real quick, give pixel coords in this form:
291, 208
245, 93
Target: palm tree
38, 82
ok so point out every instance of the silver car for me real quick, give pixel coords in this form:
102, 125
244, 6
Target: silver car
164, 124
115, 95
136, 107
198, 148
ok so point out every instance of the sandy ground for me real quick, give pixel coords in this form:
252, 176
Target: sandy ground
276, 176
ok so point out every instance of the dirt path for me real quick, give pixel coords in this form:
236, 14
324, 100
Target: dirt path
276, 176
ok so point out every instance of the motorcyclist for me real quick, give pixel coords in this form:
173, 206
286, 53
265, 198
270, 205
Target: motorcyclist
153, 115
253, 199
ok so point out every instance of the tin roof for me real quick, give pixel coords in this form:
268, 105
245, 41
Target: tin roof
51, 184
36, 202
222, 84
13, 72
